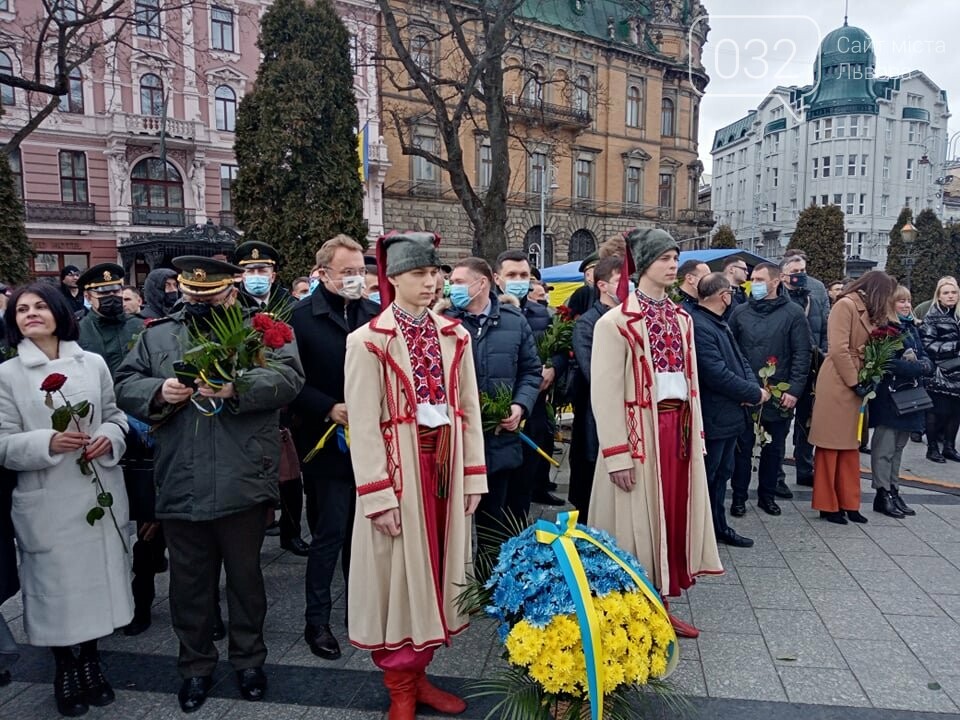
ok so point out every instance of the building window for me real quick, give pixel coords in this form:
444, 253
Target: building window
222, 25
584, 180
776, 142
910, 169
424, 171
841, 128
813, 199
16, 169
773, 212
863, 164
225, 100
863, 204
838, 199
633, 106
72, 102
151, 95
632, 188
665, 191
826, 166
911, 132
667, 124
66, 11
48, 264
8, 96
908, 202
884, 203
816, 168
534, 88
73, 176
581, 94
852, 165
695, 123
536, 172
851, 198
825, 200
855, 126
816, 129
421, 51
156, 191
914, 100
827, 129
889, 131
4, 5
484, 165
228, 175
853, 245
776, 177
147, 14
838, 165
886, 168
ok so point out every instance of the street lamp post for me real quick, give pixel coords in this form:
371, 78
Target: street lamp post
909, 235
543, 206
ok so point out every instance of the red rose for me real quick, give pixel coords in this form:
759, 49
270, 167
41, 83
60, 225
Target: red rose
53, 382
274, 338
772, 360
262, 322
287, 331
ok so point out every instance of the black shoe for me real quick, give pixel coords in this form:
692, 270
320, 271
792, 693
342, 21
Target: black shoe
916, 437
950, 453
137, 625
273, 529
805, 481
253, 684
884, 504
855, 516
901, 505
834, 517
933, 454
321, 641
865, 449
738, 508
782, 491
730, 537
68, 689
768, 506
96, 688
551, 486
296, 546
545, 498
5, 678
219, 629
193, 693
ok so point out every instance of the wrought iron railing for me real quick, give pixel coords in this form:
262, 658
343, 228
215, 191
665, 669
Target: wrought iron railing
165, 217
47, 211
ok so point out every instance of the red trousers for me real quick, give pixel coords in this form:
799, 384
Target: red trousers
836, 480
675, 488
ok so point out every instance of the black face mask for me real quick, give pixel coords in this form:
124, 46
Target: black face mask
798, 281
170, 298
198, 310
111, 306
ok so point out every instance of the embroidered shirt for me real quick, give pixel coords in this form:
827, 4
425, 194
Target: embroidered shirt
423, 346
666, 347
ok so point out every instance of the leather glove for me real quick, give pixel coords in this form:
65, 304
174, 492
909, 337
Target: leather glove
862, 390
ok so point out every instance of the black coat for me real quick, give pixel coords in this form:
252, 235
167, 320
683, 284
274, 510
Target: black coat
777, 328
902, 373
154, 295
583, 351
321, 326
726, 378
582, 299
941, 339
505, 355
74, 301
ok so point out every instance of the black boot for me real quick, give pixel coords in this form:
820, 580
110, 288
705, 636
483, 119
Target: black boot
933, 453
98, 690
67, 687
898, 501
883, 503
950, 429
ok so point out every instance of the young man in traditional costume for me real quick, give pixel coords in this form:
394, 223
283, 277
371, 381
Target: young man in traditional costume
650, 490
411, 392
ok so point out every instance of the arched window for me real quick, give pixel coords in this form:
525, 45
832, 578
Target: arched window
582, 243
666, 118
581, 94
422, 53
633, 106
72, 102
151, 95
535, 85
226, 104
540, 256
8, 96
156, 191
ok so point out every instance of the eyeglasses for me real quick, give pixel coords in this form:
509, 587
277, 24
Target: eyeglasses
740, 267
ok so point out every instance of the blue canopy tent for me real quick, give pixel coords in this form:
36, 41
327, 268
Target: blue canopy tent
566, 278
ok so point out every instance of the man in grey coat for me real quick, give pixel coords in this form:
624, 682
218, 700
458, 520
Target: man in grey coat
216, 475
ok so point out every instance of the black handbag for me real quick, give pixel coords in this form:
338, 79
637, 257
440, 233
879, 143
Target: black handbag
949, 367
910, 399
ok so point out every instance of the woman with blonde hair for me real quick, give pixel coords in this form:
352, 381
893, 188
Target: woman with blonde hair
864, 305
941, 339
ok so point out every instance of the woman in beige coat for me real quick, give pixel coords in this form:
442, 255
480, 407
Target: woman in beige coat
417, 454
865, 304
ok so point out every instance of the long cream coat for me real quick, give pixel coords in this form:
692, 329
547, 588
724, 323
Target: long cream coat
623, 392
75, 578
392, 599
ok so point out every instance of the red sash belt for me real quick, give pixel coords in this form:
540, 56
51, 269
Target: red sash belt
436, 441
686, 421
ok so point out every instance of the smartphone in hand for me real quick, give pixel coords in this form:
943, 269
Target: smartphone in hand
185, 372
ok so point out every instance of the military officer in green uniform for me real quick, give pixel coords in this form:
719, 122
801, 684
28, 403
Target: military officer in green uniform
216, 475
106, 330
260, 287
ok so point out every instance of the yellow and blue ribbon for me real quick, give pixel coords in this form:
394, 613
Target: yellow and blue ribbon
343, 441
560, 536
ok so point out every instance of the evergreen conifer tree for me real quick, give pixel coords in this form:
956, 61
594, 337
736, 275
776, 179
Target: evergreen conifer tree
298, 181
16, 253
896, 249
933, 256
819, 233
724, 238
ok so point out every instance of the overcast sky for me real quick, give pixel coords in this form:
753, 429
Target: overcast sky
753, 47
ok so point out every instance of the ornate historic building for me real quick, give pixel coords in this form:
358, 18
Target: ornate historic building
871, 145
603, 102
142, 146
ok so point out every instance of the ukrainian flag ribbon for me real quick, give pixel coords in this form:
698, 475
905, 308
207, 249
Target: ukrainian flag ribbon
560, 536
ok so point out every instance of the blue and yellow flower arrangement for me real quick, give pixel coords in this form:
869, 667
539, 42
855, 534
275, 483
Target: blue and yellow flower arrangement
580, 623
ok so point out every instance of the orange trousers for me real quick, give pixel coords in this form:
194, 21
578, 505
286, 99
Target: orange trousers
836, 480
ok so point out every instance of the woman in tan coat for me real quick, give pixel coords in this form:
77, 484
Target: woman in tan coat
865, 304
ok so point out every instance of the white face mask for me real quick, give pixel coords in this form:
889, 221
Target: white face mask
353, 286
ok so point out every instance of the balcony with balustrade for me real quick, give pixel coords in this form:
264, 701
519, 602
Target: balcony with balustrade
548, 115
162, 217
52, 211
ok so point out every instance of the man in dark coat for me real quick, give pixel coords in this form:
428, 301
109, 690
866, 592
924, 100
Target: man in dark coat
69, 277
583, 297
321, 323
770, 327
216, 475
728, 388
584, 445
736, 270
689, 274
161, 293
505, 357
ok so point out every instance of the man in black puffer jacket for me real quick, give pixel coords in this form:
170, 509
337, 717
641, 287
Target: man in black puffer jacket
769, 327
160, 293
728, 389
505, 356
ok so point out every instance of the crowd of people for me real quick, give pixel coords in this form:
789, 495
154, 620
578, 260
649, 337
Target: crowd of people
682, 379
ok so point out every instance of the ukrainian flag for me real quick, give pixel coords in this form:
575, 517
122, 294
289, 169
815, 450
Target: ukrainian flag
363, 152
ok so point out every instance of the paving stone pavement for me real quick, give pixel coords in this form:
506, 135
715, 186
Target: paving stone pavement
815, 621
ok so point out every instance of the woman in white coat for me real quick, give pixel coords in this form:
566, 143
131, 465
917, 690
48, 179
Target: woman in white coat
75, 577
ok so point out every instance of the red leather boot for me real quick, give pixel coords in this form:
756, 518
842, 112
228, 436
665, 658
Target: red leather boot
683, 629
402, 685
440, 700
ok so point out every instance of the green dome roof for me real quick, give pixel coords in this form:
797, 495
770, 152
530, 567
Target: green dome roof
846, 45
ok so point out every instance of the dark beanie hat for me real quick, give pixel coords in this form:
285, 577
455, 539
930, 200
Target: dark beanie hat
67, 269
398, 253
644, 246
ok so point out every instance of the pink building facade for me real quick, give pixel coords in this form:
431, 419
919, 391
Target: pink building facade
142, 146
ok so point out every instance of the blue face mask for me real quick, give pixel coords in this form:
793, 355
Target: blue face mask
517, 288
374, 297
758, 291
460, 296
256, 285
314, 284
